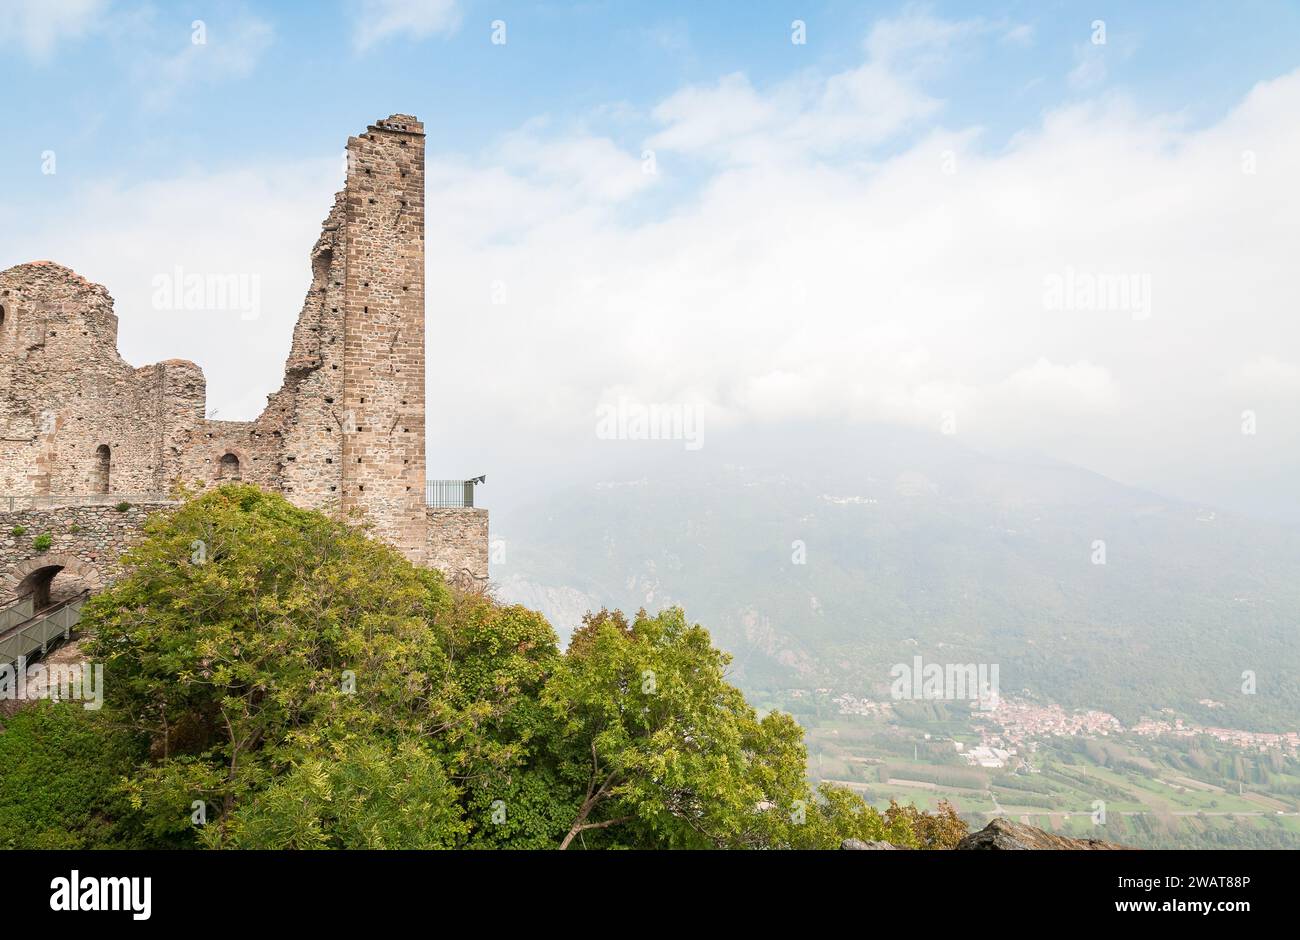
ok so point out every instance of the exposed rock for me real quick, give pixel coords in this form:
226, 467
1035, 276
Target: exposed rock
1005, 834
860, 846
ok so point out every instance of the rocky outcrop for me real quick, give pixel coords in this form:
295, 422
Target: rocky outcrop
860, 846
1003, 834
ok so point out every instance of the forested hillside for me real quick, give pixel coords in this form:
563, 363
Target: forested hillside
822, 567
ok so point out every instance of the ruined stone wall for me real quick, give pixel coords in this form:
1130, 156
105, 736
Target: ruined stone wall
383, 357
85, 541
76, 419
458, 543
70, 406
345, 431
308, 409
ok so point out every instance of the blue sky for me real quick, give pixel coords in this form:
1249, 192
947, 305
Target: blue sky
306, 77
860, 228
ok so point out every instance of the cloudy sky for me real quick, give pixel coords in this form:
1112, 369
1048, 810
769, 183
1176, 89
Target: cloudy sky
1062, 230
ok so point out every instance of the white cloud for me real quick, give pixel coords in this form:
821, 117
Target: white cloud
1266, 378
37, 26
219, 49
731, 121
847, 286
673, 37
852, 111
1089, 66
1019, 35
701, 119
582, 163
891, 290
165, 56
917, 40
378, 20
1062, 390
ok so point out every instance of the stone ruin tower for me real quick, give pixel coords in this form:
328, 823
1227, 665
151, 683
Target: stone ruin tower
381, 292
345, 431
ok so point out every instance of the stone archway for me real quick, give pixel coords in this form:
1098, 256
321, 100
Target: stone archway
36, 576
230, 464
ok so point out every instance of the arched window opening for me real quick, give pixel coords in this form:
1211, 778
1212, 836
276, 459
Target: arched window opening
2, 316
228, 468
103, 466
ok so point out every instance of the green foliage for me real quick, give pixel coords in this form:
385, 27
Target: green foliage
666, 752
122, 506
61, 766
42, 542
359, 796
276, 679
838, 814
939, 830
289, 637
18, 531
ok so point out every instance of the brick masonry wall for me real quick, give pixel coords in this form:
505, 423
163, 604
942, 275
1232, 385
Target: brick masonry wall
346, 430
383, 356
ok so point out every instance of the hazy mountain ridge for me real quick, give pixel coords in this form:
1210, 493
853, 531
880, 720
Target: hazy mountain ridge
917, 546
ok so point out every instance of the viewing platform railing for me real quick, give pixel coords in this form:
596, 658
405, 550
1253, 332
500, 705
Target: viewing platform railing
451, 494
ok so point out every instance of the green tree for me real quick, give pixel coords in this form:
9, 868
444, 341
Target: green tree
253, 644
275, 678
663, 750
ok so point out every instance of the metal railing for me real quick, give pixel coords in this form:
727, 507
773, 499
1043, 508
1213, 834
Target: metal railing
32, 501
15, 614
36, 634
451, 494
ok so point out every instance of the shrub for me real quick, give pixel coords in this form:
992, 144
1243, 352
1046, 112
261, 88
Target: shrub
122, 506
18, 531
42, 542
942, 829
58, 789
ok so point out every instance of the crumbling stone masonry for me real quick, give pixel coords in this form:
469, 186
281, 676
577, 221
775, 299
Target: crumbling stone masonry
85, 545
346, 430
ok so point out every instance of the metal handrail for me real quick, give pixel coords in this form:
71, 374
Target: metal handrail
451, 494
19, 612
48, 624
